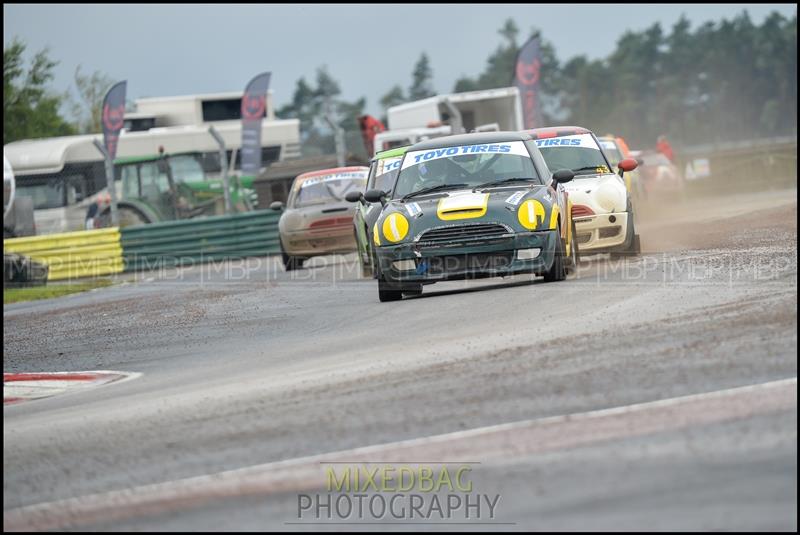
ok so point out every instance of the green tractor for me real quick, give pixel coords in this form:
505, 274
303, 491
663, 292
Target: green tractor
170, 187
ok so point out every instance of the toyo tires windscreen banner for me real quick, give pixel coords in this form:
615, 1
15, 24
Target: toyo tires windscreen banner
254, 106
526, 79
113, 116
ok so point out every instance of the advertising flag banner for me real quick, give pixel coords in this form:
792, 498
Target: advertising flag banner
526, 79
254, 106
113, 117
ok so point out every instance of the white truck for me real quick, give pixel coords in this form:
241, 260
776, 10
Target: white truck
442, 115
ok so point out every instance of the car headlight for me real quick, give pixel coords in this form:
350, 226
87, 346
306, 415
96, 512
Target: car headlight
531, 214
610, 198
395, 227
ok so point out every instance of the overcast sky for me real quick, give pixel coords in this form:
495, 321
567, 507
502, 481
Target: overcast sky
184, 49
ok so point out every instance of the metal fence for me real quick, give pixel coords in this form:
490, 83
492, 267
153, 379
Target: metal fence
192, 241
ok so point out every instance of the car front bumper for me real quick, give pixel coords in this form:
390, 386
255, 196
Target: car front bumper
454, 261
308, 243
601, 232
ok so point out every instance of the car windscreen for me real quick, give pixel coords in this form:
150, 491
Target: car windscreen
329, 188
580, 153
384, 172
468, 165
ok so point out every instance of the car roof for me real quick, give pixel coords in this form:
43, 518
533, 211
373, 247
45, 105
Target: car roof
557, 131
332, 171
391, 153
470, 139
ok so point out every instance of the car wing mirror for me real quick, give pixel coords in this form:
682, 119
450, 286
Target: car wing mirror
354, 196
628, 164
563, 175
376, 195
276, 205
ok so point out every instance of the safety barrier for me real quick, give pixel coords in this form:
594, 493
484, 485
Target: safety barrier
193, 241
740, 166
70, 255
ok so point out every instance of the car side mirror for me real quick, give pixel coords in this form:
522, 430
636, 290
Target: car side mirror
353, 196
276, 205
375, 195
563, 175
628, 164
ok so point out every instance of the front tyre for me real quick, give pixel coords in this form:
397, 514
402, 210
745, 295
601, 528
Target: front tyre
290, 263
387, 292
557, 271
633, 246
574, 254
365, 257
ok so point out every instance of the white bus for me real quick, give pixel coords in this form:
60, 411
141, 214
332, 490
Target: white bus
65, 175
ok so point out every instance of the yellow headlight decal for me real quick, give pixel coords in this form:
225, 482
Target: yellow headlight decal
554, 217
375, 238
395, 227
531, 214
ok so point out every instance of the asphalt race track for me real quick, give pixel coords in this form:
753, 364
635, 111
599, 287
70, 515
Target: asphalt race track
656, 392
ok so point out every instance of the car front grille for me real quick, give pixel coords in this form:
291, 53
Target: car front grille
461, 233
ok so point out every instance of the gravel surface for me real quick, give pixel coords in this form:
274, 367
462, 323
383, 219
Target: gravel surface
244, 364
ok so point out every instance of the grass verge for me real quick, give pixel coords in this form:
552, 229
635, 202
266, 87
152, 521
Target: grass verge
16, 295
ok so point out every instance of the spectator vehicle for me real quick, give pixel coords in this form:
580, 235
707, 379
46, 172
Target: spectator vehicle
602, 207
471, 206
164, 187
317, 220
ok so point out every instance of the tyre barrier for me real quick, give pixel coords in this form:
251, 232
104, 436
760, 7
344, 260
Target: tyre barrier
70, 255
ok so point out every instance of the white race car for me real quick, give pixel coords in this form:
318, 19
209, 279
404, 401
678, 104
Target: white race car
601, 206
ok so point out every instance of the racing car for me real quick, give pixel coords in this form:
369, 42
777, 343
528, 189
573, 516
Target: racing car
617, 150
472, 206
602, 207
316, 219
383, 171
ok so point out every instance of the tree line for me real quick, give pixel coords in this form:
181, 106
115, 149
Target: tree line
721, 81
32, 110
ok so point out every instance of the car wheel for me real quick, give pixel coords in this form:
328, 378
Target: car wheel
129, 217
387, 292
574, 254
367, 272
365, 258
557, 271
290, 263
633, 245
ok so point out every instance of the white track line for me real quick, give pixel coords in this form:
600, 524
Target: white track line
498, 442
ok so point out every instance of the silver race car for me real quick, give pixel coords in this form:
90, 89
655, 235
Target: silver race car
317, 220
